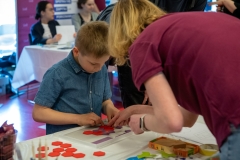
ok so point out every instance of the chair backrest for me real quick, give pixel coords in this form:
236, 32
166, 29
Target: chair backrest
30, 39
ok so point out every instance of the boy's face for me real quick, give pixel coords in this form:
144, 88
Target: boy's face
89, 63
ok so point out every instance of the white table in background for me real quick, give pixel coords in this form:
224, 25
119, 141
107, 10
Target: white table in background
35, 61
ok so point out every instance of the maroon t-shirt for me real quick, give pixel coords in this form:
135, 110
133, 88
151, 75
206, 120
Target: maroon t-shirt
199, 53
101, 4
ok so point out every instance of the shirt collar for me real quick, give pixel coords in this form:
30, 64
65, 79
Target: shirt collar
76, 67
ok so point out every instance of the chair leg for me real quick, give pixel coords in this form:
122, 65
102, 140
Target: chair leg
29, 101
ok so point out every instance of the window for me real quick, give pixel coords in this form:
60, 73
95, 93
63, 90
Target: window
7, 27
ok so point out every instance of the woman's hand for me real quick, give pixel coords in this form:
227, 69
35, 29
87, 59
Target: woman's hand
135, 124
121, 118
57, 38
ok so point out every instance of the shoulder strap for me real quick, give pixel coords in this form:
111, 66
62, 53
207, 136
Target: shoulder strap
191, 4
156, 2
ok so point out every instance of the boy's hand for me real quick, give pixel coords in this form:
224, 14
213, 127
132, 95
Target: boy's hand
90, 119
109, 109
121, 118
111, 112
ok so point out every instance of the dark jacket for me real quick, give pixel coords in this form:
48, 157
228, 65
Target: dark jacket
37, 31
129, 93
180, 5
236, 12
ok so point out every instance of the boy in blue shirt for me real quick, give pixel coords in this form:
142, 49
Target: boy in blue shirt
75, 90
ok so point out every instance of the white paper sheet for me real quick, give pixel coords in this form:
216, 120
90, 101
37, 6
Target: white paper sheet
67, 33
198, 133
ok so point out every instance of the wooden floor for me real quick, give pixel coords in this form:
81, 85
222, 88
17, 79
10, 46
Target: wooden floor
18, 110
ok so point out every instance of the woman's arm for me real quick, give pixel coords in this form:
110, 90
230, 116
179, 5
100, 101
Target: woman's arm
229, 4
167, 116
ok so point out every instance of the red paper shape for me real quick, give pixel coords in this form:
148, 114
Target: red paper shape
78, 155
54, 154
97, 133
58, 149
57, 143
99, 153
67, 154
66, 145
88, 132
42, 148
71, 150
42, 155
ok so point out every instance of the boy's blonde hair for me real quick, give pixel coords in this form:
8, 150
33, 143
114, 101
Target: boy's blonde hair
92, 39
129, 18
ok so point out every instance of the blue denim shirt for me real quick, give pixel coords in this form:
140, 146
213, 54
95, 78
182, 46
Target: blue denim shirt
66, 87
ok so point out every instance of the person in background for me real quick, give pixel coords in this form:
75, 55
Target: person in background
228, 6
180, 6
44, 31
189, 65
75, 91
129, 93
85, 14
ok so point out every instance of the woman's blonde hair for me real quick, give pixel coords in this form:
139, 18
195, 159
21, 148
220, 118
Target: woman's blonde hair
129, 18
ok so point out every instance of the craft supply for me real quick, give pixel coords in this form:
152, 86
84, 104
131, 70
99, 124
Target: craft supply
173, 146
208, 149
78, 155
97, 137
57, 143
43, 148
71, 150
39, 152
134, 158
33, 150
54, 154
99, 153
146, 155
40, 156
166, 155
66, 145
46, 150
67, 154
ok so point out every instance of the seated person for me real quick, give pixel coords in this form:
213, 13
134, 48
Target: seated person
44, 31
228, 6
76, 90
85, 14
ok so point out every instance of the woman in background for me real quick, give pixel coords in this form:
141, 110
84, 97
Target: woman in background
228, 6
44, 31
191, 59
86, 13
